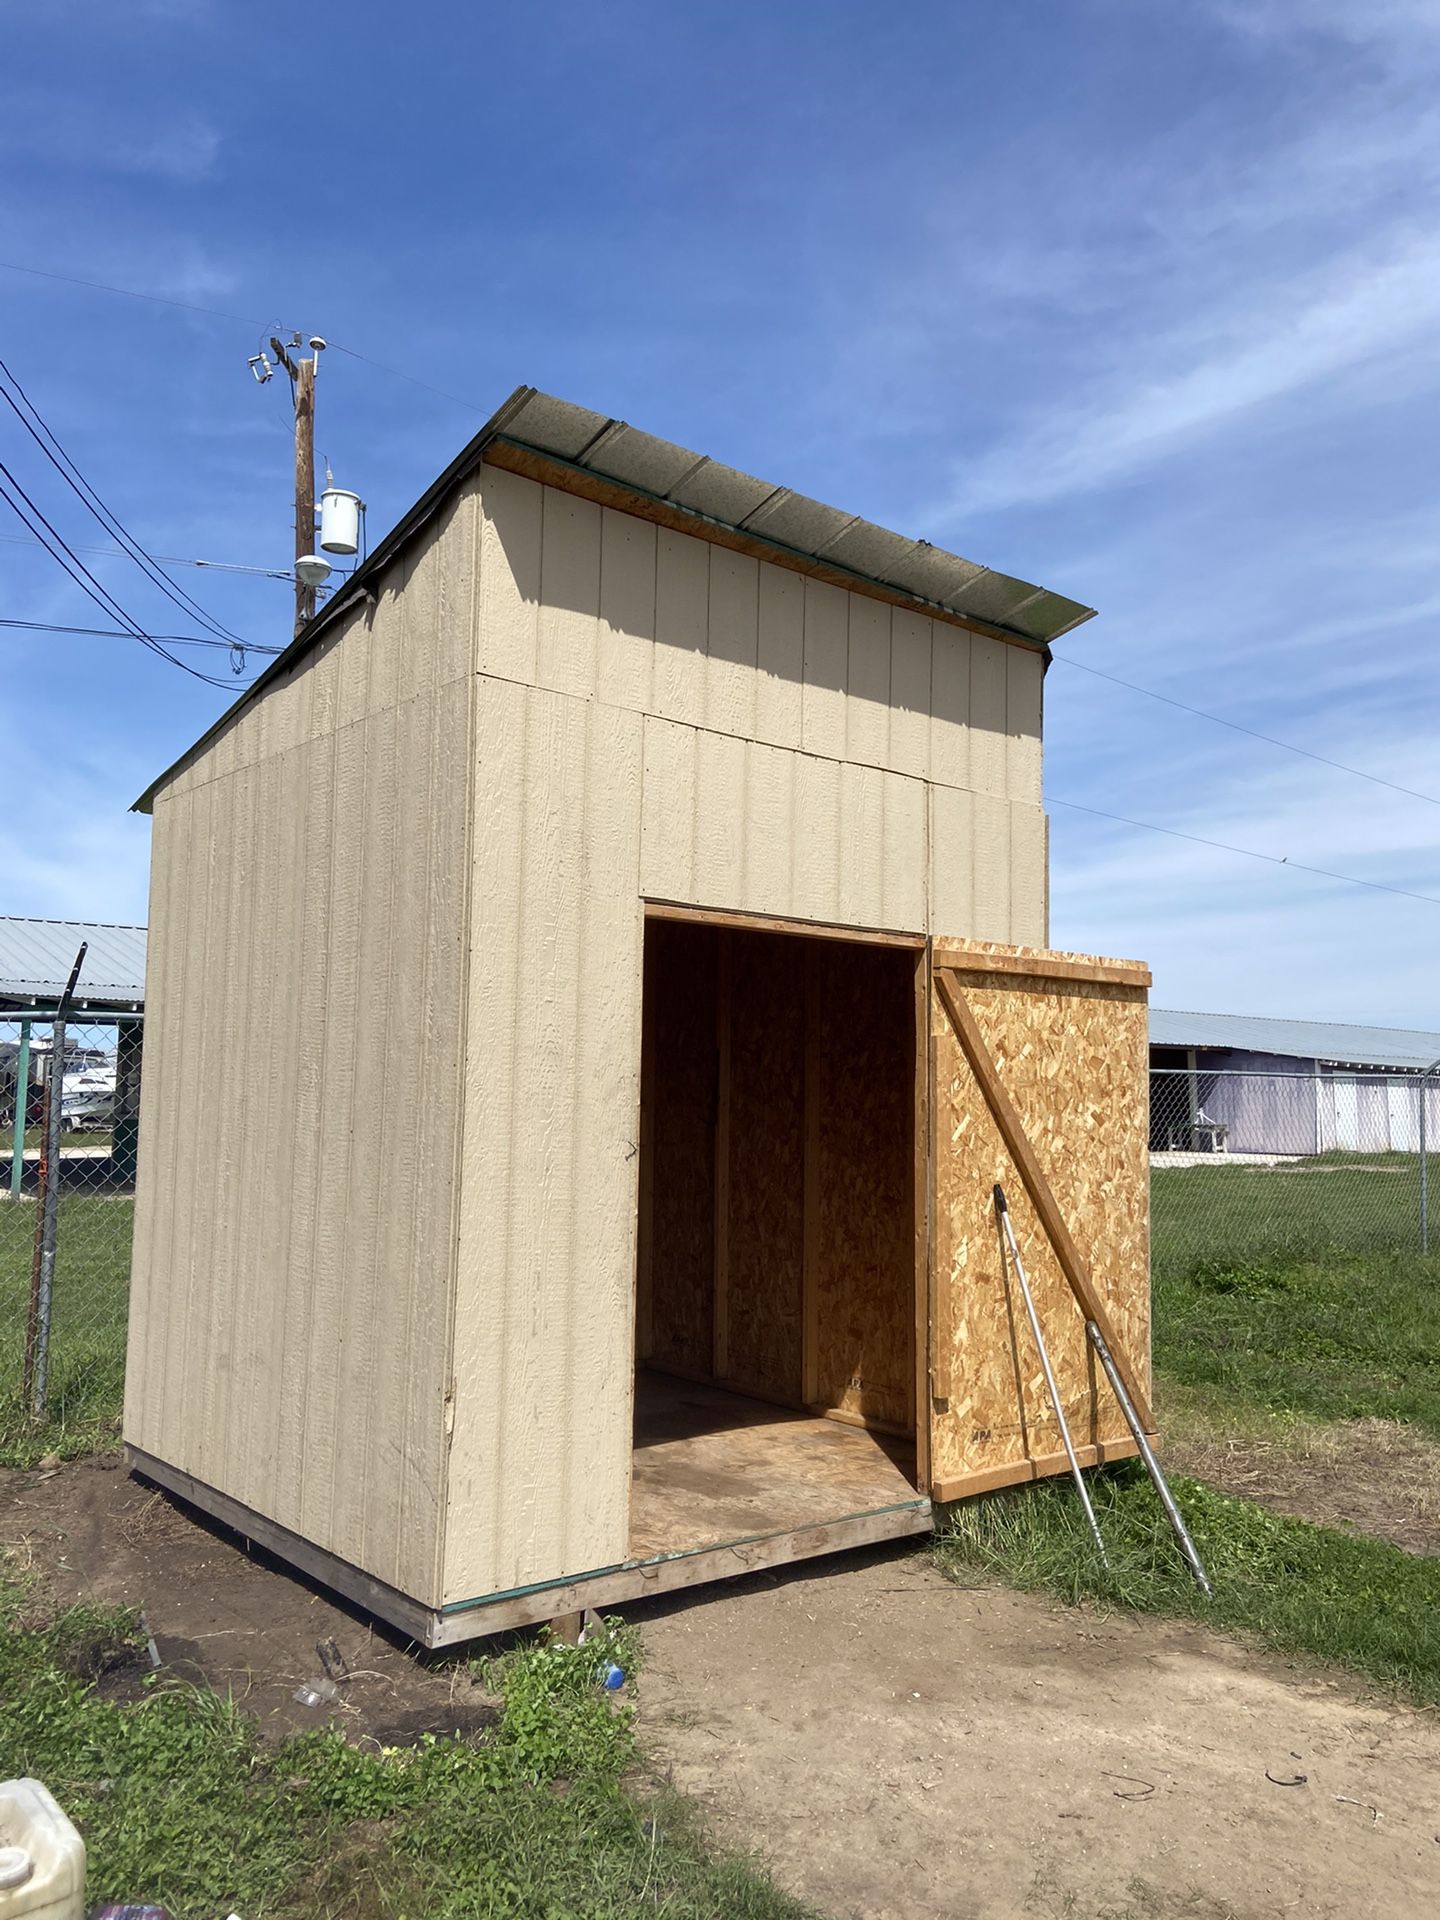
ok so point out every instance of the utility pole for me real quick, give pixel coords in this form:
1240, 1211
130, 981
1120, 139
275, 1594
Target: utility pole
302, 382
304, 484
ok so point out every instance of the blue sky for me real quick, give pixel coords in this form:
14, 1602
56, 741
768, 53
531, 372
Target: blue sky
1139, 301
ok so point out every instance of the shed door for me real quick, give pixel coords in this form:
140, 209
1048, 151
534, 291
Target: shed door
1066, 1040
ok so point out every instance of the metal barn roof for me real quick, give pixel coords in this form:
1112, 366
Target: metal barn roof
36, 957
1325, 1040
719, 503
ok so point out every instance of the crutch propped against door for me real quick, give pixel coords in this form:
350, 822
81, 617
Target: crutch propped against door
1043, 1351
1127, 1407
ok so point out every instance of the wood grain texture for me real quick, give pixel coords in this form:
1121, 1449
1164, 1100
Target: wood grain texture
1071, 1055
681, 1023
713, 1466
861, 1090
766, 1173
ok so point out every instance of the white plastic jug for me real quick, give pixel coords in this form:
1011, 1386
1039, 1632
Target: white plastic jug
42, 1857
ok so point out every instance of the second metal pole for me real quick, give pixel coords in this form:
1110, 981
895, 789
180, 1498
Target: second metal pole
1055, 1401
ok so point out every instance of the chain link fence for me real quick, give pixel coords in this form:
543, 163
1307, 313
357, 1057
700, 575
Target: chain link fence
1247, 1168
65, 1229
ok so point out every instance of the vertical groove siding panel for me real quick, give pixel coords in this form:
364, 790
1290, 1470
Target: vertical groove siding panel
827, 645
305, 1004
154, 1192
625, 672
1024, 680
189, 1301
815, 851
667, 835
1027, 876
682, 617
509, 622
733, 619
767, 826
539, 1468
484, 1305
988, 674
952, 862
325, 1256
950, 704
905, 855
569, 592
992, 868
307, 983
719, 872
780, 656
860, 899
910, 668
219, 1248
365, 1308
273, 1195
867, 679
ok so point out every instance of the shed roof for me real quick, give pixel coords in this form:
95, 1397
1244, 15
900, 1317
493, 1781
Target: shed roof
1326, 1040
36, 957
575, 448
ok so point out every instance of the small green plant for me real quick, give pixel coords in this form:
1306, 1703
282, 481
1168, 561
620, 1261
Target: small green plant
179, 1804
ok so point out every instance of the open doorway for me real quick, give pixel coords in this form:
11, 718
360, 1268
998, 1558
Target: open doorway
777, 1294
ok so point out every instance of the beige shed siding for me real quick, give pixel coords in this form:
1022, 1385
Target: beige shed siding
539, 1463
398, 914
588, 601
301, 1106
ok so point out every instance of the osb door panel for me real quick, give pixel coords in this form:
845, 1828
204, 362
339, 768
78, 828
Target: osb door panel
1071, 1052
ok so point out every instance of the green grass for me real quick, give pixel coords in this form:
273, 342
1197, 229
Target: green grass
180, 1805
87, 1352
1274, 1290
1298, 1588
1333, 1205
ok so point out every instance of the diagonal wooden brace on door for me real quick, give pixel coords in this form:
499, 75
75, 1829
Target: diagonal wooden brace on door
1017, 1143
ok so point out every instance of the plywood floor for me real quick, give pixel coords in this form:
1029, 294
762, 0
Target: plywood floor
711, 1467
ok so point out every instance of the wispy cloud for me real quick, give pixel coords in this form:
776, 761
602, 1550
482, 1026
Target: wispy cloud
1197, 380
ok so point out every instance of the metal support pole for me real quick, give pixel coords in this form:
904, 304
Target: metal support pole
1055, 1401
22, 1109
1152, 1465
47, 1210
1425, 1159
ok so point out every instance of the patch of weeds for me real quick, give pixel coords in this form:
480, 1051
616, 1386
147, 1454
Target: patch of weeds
540, 1820
1298, 1588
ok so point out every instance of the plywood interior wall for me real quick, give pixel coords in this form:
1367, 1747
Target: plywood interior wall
1071, 1053
777, 1223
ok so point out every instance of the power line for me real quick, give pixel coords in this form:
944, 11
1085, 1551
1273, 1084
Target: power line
124, 633
40, 432
1222, 846
164, 559
83, 578
1288, 746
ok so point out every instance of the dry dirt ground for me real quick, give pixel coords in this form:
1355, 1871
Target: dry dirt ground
897, 1746
893, 1745
231, 1620
1379, 1477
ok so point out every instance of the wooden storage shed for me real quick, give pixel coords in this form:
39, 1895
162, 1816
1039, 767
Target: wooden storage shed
562, 1175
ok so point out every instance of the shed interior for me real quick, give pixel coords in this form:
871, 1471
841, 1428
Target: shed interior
781, 1243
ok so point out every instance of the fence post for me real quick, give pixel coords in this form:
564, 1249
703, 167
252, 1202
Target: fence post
22, 1109
1425, 1160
